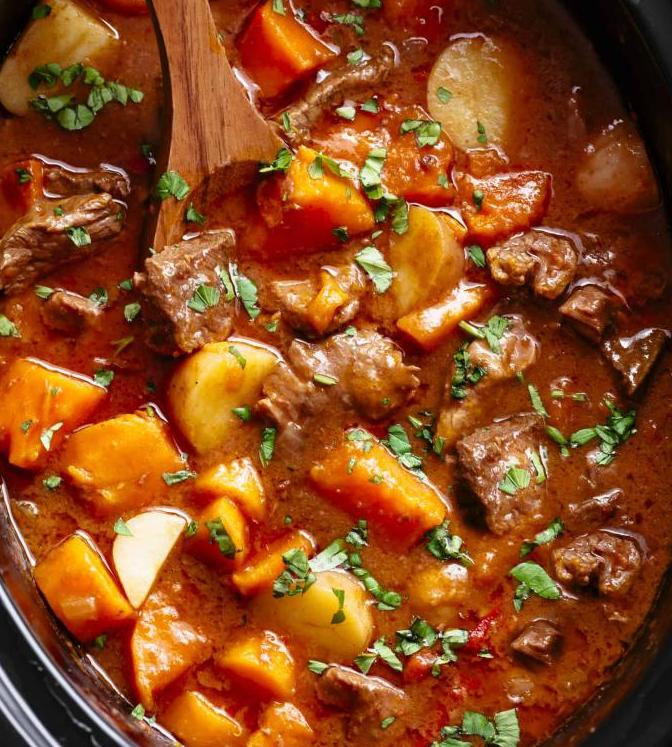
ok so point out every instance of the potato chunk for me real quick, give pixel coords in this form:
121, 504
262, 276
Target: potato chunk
238, 480
309, 615
476, 80
426, 259
282, 725
263, 661
615, 174
211, 383
139, 557
40, 405
222, 539
363, 478
199, 723
118, 464
80, 590
163, 647
69, 34
440, 592
262, 570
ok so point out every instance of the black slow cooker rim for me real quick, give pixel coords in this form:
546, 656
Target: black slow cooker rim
28, 672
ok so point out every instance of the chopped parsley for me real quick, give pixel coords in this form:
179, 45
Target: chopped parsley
8, 328
317, 667
532, 578
620, 426
339, 616
478, 196
397, 442
297, 577
103, 377
356, 57
24, 176
42, 10
370, 175
171, 184
245, 290
372, 261
173, 478
476, 255
379, 650
282, 161
482, 134
47, 435
346, 112
551, 533
349, 19
446, 546
267, 446
193, 216
131, 311
370, 106
99, 296
492, 331
514, 480
341, 233
220, 537
205, 297
325, 379
121, 528
191, 529
244, 413
78, 235
464, 373
427, 131
443, 95
52, 482
235, 352
502, 731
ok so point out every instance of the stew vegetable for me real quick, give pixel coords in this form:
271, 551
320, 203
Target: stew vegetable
376, 452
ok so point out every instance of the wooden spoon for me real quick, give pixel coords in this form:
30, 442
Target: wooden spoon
213, 136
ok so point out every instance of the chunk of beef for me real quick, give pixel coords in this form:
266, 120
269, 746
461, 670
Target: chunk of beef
42, 241
498, 206
293, 299
589, 310
364, 371
545, 261
538, 640
518, 350
595, 510
601, 559
634, 357
64, 182
487, 456
348, 80
366, 700
169, 282
70, 313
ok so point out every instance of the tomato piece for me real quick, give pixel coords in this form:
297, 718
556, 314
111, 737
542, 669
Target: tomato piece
479, 637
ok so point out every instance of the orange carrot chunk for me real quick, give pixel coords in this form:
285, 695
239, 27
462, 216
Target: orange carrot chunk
80, 589
363, 478
238, 480
199, 723
261, 571
329, 299
277, 49
163, 648
263, 661
40, 405
118, 464
429, 327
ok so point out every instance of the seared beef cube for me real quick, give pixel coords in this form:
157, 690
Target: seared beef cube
595, 510
69, 312
54, 233
293, 298
634, 357
602, 560
364, 372
589, 310
348, 80
366, 700
63, 182
171, 279
486, 459
539, 640
518, 350
544, 261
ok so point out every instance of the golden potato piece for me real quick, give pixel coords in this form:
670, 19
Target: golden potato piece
213, 382
309, 615
427, 259
475, 80
69, 34
199, 723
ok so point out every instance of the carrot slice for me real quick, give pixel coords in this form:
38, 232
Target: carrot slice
80, 589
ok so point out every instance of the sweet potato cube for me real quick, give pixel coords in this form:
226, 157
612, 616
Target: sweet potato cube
222, 539
498, 206
263, 661
277, 49
282, 724
260, 571
118, 464
429, 327
80, 590
163, 648
303, 207
198, 723
363, 478
326, 303
238, 480
40, 405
